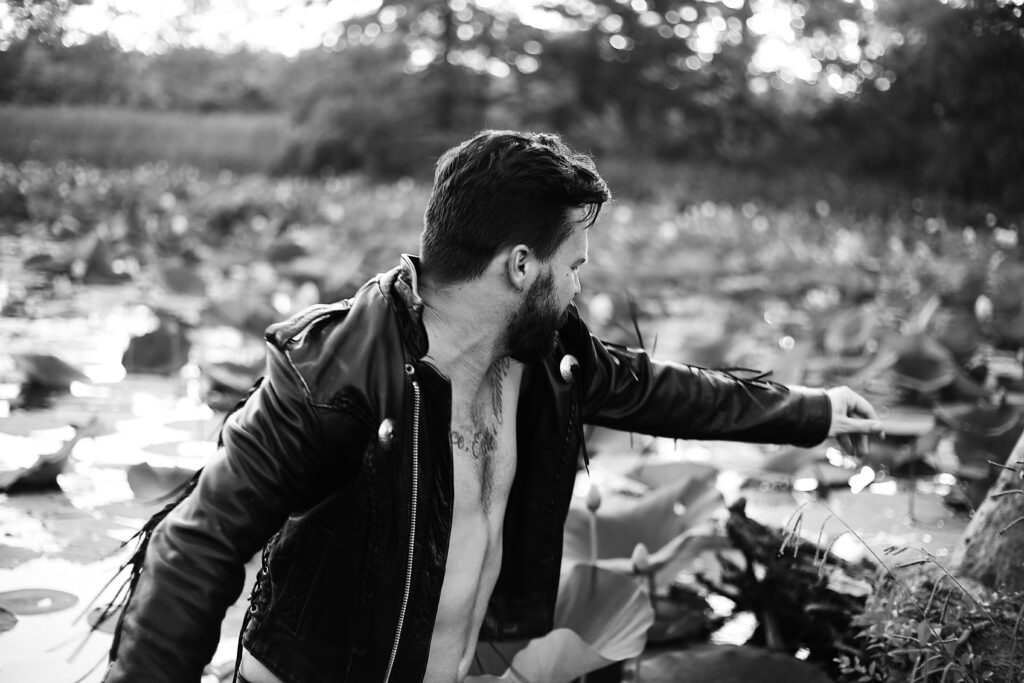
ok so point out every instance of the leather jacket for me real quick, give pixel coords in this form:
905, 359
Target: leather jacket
339, 467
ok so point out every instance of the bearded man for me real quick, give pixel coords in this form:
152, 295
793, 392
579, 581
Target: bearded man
407, 463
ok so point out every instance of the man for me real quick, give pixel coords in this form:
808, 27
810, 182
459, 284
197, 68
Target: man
408, 460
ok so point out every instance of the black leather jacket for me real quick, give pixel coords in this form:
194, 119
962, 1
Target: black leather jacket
342, 460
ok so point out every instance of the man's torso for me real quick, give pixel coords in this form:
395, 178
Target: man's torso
483, 440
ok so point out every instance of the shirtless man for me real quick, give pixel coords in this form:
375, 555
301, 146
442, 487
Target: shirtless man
406, 464
476, 349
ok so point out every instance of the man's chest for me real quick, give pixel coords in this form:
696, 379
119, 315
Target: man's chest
483, 440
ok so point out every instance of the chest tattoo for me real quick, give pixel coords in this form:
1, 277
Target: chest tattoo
481, 443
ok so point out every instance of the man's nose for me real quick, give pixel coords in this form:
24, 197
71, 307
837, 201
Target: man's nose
576, 284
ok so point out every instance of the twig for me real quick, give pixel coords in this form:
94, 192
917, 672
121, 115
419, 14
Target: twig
959, 585
1007, 527
1006, 493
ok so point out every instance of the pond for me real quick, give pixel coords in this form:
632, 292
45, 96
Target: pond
68, 542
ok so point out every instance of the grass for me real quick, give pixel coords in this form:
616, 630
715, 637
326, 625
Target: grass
116, 138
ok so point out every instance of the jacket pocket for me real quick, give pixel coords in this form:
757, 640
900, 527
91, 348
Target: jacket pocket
292, 572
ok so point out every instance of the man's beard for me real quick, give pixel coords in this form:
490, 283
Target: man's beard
530, 334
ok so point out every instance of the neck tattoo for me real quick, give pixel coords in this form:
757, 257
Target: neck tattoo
497, 388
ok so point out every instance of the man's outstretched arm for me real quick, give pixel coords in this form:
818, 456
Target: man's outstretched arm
625, 389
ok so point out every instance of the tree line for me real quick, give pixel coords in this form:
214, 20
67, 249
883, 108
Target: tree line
926, 91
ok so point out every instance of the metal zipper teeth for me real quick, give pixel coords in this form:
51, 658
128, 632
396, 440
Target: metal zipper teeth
412, 520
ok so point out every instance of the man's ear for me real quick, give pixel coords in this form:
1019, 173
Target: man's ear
520, 258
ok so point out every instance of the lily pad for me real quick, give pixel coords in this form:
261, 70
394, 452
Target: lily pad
181, 280
162, 351
728, 664
7, 620
36, 600
98, 622
601, 617
150, 483
48, 371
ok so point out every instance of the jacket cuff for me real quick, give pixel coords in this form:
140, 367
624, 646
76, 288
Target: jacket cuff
816, 416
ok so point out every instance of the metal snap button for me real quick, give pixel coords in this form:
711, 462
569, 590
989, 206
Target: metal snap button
386, 433
568, 367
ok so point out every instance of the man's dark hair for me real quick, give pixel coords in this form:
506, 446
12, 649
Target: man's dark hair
501, 188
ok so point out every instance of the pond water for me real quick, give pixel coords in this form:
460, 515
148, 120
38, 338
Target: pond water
70, 540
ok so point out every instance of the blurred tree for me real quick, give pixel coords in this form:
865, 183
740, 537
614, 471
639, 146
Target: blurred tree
365, 116
41, 20
200, 79
22, 23
95, 72
461, 47
407, 81
945, 105
686, 78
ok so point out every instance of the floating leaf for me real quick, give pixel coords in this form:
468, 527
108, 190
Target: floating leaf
48, 371
924, 365
36, 600
601, 617
7, 620
849, 333
160, 352
958, 330
98, 622
42, 474
180, 280
727, 664
283, 250
982, 433
150, 483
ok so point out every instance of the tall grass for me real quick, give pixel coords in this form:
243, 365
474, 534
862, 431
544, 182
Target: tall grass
113, 137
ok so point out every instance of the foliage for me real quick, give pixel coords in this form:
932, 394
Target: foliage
118, 137
99, 72
41, 20
934, 628
361, 118
924, 91
950, 120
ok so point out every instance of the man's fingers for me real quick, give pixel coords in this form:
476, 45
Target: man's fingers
859, 426
856, 446
862, 407
856, 425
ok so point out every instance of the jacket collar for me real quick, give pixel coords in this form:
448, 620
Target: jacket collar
400, 287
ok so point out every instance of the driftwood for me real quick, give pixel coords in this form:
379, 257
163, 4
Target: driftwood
991, 550
803, 596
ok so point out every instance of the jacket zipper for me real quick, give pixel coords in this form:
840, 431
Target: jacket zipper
410, 371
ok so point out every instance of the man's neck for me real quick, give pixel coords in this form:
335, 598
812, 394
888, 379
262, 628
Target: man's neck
464, 332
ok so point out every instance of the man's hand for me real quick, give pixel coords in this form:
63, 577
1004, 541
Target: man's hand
853, 418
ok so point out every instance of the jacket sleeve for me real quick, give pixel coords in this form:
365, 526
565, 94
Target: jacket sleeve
279, 450
624, 389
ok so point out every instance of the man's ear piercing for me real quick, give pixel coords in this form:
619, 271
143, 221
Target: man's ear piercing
517, 290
